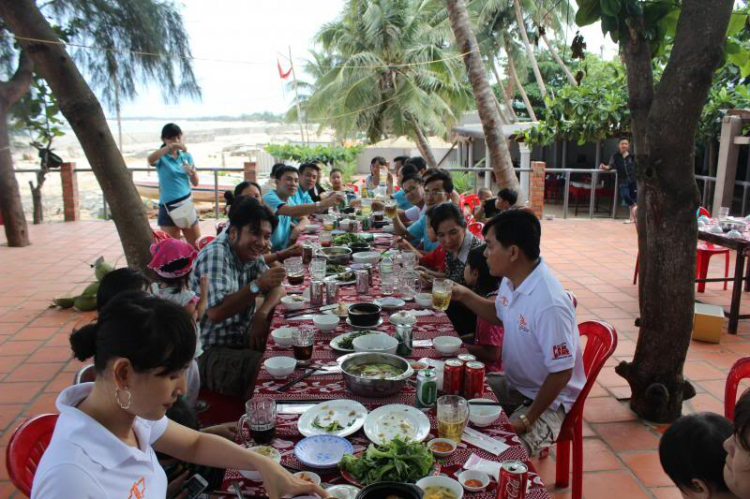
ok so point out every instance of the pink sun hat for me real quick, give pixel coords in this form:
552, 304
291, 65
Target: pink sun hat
172, 258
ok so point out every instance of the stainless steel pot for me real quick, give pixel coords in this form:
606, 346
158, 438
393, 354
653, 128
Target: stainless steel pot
367, 387
336, 255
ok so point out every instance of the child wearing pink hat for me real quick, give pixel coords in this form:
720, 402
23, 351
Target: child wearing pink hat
172, 261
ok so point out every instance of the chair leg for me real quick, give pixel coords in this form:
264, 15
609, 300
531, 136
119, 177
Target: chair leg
578, 463
702, 270
635, 273
562, 473
726, 269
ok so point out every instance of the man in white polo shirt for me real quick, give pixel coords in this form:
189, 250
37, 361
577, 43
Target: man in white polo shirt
541, 346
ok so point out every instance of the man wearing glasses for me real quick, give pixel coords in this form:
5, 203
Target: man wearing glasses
437, 189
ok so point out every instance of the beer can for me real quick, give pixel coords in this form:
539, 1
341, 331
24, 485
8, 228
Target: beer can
474, 380
332, 292
363, 281
404, 337
453, 377
355, 226
426, 388
368, 267
467, 357
317, 293
513, 478
307, 253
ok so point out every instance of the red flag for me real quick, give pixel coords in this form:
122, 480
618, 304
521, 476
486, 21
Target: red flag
282, 74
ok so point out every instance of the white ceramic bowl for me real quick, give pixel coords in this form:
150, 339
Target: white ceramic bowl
473, 475
403, 317
483, 415
283, 336
442, 440
312, 228
326, 322
255, 475
376, 342
294, 302
371, 257
441, 481
447, 345
280, 367
308, 476
424, 299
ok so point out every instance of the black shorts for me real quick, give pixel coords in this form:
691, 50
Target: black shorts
229, 371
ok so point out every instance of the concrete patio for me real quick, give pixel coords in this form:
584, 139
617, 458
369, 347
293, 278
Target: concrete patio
592, 258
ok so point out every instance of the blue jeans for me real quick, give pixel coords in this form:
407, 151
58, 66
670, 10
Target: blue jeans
629, 193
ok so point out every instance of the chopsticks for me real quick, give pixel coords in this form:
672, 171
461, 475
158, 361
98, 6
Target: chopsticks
287, 386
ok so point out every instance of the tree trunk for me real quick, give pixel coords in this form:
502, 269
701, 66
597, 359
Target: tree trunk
560, 61
84, 113
11, 208
517, 81
36, 197
529, 50
496, 144
508, 105
423, 144
664, 125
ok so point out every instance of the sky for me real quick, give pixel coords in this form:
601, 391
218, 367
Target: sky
248, 36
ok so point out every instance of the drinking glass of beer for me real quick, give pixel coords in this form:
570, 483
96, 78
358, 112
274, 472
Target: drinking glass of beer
366, 207
391, 209
260, 417
302, 346
441, 293
295, 270
452, 415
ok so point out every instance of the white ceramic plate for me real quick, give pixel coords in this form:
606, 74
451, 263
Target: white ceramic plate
389, 302
396, 420
335, 343
322, 451
348, 413
334, 278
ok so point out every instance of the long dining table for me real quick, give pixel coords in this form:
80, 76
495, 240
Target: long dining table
319, 387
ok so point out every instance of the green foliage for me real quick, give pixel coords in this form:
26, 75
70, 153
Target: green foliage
37, 115
342, 157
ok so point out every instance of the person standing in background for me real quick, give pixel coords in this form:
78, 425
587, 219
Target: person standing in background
624, 163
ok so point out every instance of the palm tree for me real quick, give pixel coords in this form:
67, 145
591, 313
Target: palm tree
127, 28
485, 97
392, 71
527, 45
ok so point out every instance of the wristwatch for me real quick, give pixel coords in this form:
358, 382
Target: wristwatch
254, 288
317, 206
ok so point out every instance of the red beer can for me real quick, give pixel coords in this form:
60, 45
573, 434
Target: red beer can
474, 380
467, 357
453, 377
513, 478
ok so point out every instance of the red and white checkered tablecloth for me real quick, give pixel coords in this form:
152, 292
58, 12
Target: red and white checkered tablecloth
331, 386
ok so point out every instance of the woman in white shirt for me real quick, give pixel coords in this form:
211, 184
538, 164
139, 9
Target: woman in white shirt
108, 431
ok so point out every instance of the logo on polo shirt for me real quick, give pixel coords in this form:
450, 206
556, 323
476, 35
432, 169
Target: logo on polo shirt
560, 351
138, 490
523, 325
504, 300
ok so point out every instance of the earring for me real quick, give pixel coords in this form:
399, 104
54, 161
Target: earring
117, 397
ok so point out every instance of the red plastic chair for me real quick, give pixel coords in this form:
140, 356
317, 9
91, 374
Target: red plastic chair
25, 449
471, 200
601, 344
159, 235
740, 370
202, 242
702, 212
476, 229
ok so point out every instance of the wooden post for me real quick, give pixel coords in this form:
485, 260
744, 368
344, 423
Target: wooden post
726, 172
536, 190
251, 171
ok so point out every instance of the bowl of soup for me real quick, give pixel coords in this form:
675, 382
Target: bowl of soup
369, 374
364, 314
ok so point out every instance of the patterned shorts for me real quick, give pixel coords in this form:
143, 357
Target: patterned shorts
229, 371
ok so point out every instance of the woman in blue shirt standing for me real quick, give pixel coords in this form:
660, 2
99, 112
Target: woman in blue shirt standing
176, 171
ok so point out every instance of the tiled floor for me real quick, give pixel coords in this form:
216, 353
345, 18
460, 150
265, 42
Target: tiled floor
592, 258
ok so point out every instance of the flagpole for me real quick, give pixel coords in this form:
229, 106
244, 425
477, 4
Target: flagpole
296, 98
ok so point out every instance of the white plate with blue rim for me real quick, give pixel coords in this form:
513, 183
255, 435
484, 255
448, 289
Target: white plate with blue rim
322, 451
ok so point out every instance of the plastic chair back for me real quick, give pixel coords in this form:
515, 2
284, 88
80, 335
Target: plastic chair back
202, 242
159, 235
471, 200
86, 374
702, 212
25, 449
476, 228
740, 370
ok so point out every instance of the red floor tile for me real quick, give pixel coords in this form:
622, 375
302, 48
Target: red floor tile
19, 392
701, 370
647, 467
632, 435
619, 484
51, 354
12, 347
666, 493
606, 410
36, 333
598, 457
34, 372
704, 402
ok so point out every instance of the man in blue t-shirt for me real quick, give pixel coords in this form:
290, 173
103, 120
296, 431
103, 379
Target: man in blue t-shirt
400, 196
437, 189
285, 205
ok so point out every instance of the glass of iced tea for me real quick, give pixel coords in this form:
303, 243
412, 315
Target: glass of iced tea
303, 339
391, 209
441, 293
260, 418
295, 270
452, 415
325, 239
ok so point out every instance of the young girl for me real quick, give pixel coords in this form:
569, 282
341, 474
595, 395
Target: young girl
172, 262
488, 339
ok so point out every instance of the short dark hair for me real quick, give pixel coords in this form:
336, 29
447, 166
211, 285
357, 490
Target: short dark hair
742, 420
280, 171
517, 227
692, 449
170, 131
336, 170
417, 161
443, 176
248, 211
509, 195
486, 283
407, 170
231, 197
401, 159
379, 160
305, 166
276, 167
118, 281
152, 333
444, 212
415, 177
